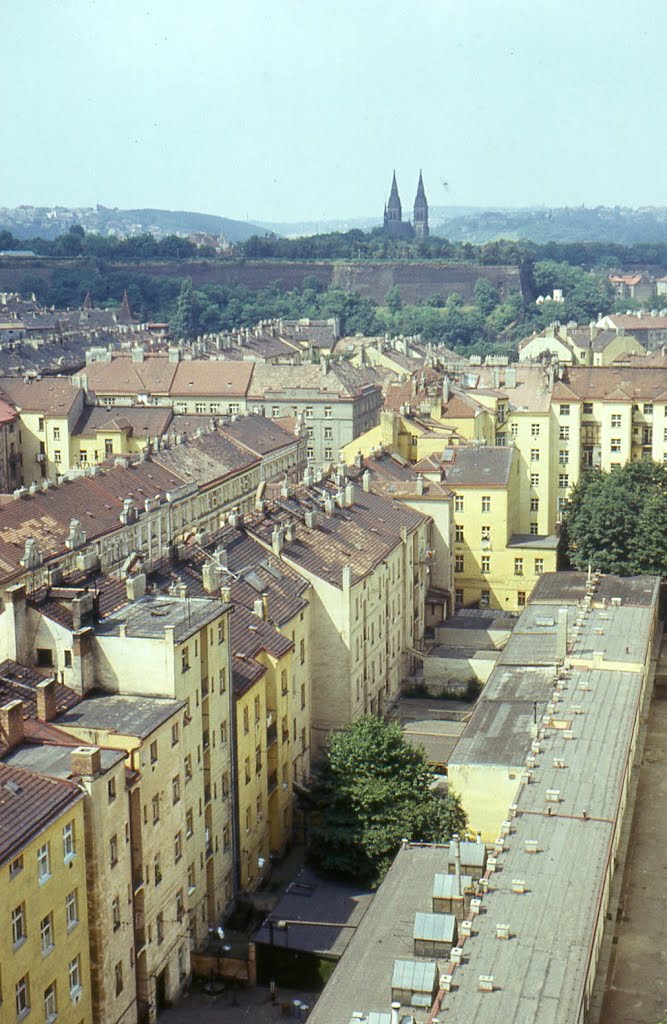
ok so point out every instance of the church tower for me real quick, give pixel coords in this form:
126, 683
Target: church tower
420, 214
393, 213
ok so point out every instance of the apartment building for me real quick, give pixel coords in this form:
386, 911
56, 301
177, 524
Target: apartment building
142, 507
365, 558
44, 949
570, 345
48, 409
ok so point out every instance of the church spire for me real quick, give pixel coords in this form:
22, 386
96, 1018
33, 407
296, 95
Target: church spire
420, 213
394, 209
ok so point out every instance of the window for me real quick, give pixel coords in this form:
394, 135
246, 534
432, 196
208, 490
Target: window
223, 733
534, 504
258, 760
564, 434
616, 419
157, 869
178, 847
302, 652
459, 563
246, 719
46, 934
187, 761
56, 433
180, 905
534, 430
18, 925
16, 866
486, 533
214, 408
561, 504
521, 598
185, 658
327, 412
310, 452
221, 632
486, 503
234, 408
458, 598
118, 972
72, 909
486, 563
40, 423
43, 863
257, 710
115, 913
57, 455
189, 823
174, 734
44, 657
514, 429
458, 534
458, 503
113, 851
303, 696
275, 411
518, 566
200, 408
533, 528
111, 790
22, 997
191, 878
616, 444
224, 783
155, 804
500, 440
534, 479
588, 408
247, 770
83, 457
309, 412
534, 454
539, 566
563, 480
225, 838
564, 410
563, 457
222, 680
484, 599
50, 1006
648, 408
328, 433
75, 975
68, 841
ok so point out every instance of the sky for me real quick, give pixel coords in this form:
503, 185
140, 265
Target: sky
284, 110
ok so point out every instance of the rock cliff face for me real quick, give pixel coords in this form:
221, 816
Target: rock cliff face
415, 280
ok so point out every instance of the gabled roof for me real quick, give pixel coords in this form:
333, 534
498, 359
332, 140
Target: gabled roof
28, 804
51, 396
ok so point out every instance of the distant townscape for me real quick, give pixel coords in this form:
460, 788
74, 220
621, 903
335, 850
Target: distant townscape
257, 511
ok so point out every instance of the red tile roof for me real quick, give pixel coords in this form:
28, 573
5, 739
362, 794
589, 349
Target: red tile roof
28, 804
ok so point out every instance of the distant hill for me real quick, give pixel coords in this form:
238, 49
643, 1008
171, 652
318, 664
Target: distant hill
49, 222
619, 224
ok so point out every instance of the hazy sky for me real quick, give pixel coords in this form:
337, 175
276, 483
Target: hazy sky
300, 109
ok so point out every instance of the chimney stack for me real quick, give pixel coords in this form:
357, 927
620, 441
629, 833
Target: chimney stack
11, 723
456, 843
46, 700
86, 761
561, 639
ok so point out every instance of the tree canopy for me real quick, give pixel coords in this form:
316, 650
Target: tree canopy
372, 791
617, 521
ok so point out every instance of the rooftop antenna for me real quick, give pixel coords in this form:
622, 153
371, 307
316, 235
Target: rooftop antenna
589, 572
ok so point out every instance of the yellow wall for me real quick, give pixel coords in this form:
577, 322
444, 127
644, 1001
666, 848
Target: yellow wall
39, 900
486, 792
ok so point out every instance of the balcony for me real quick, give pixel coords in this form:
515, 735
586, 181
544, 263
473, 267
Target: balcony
40, 457
273, 782
272, 734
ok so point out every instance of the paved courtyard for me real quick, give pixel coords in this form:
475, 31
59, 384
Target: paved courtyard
248, 1006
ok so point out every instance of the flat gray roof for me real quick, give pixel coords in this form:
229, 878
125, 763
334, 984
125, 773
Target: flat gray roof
55, 760
121, 713
149, 615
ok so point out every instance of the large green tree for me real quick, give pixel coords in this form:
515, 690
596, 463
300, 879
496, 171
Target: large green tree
372, 791
617, 521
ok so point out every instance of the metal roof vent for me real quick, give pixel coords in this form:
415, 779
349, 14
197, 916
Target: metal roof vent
553, 796
518, 886
502, 931
530, 845
486, 983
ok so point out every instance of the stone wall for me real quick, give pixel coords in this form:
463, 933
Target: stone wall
416, 280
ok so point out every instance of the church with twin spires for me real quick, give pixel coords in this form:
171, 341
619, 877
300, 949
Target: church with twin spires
394, 225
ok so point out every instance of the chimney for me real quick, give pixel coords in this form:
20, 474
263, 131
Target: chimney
258, 608
226, 594
46, 700
420, 485
359, 460
366, 481
18, 647
277, 540
85, 761
135, 586
445, 390
561, 638
290, 532
11, 723
349, 494
347, 577
395, 1011
211, 576
456, 843
310, 519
